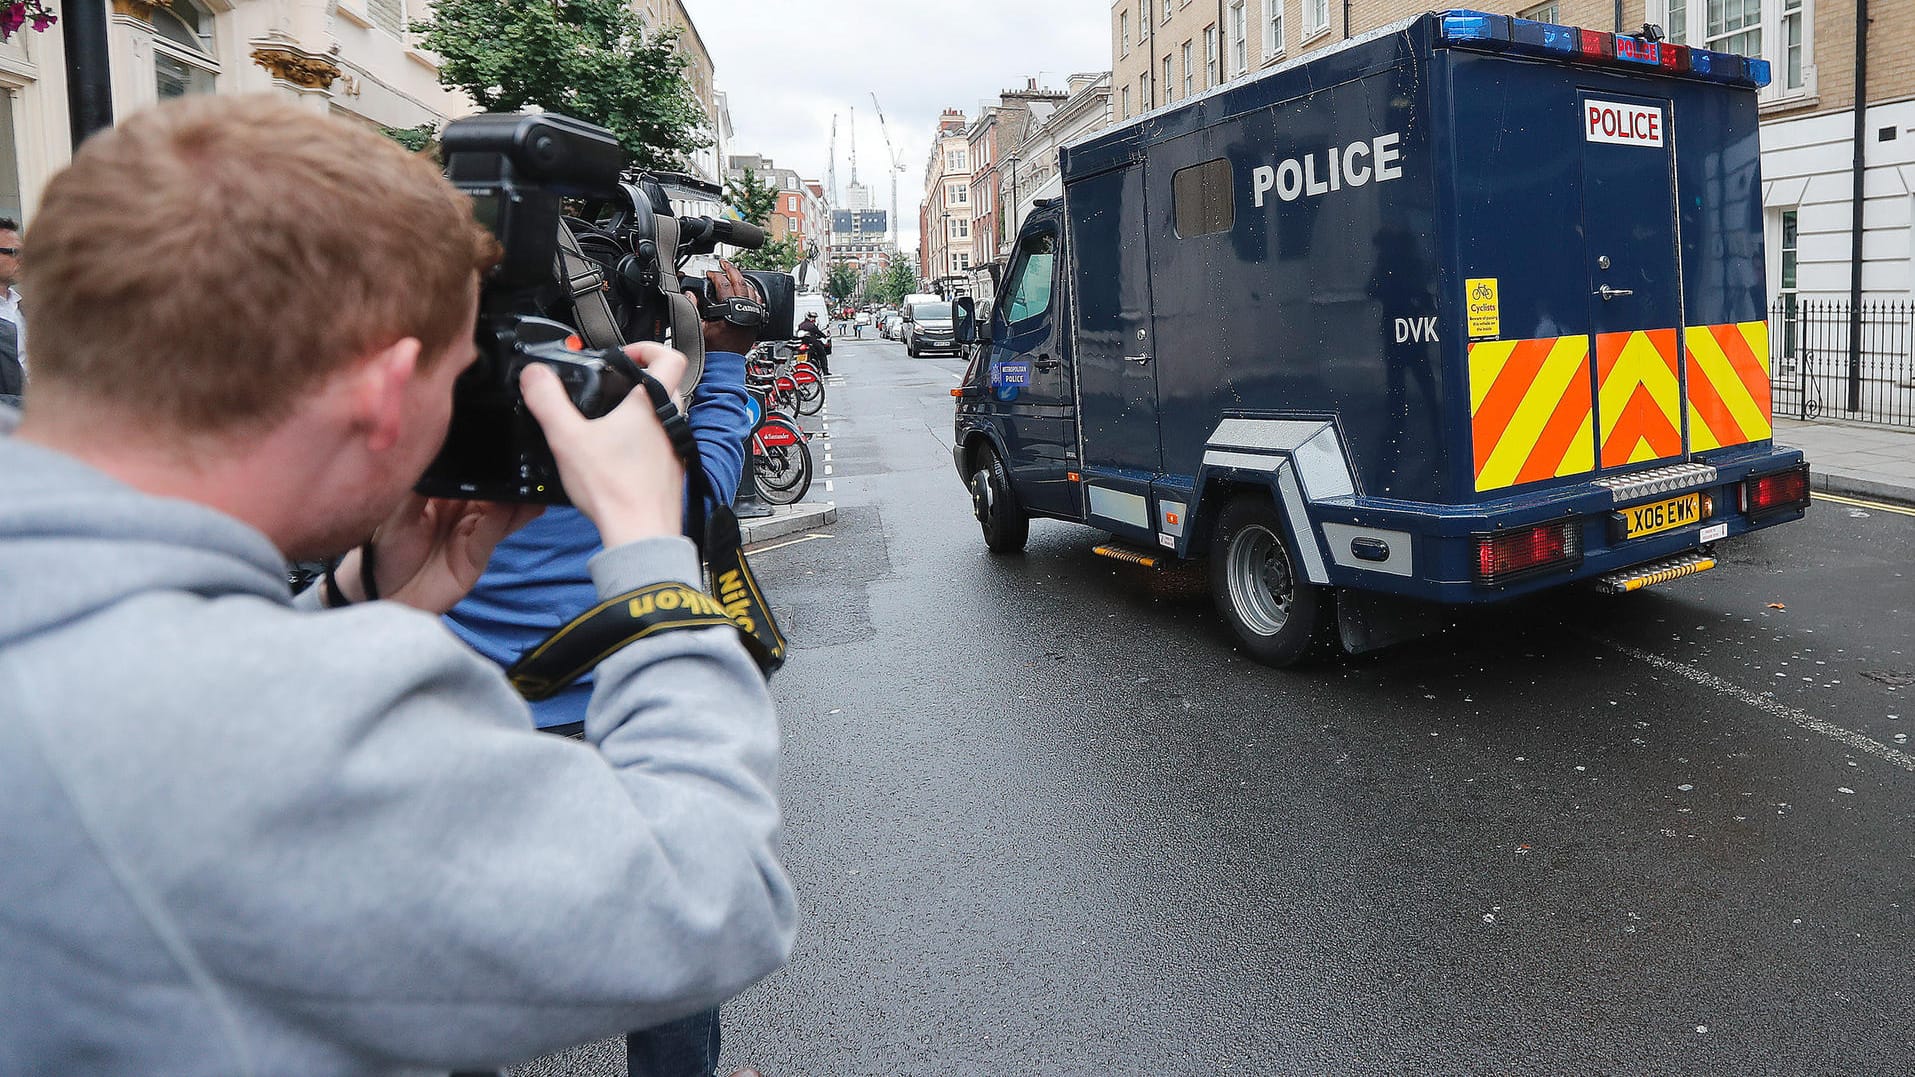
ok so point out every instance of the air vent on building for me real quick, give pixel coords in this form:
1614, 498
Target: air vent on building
1887, 134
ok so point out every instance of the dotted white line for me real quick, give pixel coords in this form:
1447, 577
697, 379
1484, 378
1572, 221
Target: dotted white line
1769, 704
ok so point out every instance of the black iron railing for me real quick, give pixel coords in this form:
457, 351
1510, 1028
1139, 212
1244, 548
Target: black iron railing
1815, 374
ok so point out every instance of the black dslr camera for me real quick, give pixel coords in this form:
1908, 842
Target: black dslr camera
523, 172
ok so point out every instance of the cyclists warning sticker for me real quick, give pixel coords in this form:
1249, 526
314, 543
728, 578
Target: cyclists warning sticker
1485, 316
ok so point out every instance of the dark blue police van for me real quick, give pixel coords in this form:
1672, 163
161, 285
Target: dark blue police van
1466, 308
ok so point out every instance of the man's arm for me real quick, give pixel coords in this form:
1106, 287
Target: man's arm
721, 420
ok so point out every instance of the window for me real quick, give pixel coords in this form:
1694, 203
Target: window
1210, 55
1028, 293
1203, 198
1168, 83
1273, 30
1143, 92
1123, 33
1125, 114
183, 59
1790, 328
960, 228
1190, 74
1549, 12
959, 194
1316, 16
1167, 7
961, 260
388, 15
957, 161
1779, 31
1239, 52
1790, 239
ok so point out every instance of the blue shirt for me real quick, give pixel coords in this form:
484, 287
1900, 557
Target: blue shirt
537, 580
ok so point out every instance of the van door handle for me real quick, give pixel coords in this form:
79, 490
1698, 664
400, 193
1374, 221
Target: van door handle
1139, 359
1045, 362
1609, 293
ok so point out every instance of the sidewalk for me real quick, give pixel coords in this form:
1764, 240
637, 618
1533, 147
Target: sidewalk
1854, 458
788, 520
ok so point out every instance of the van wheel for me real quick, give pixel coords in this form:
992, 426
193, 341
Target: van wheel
1278, 615
911, 350
1006, 528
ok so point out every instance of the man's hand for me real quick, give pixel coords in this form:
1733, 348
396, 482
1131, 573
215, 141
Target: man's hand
721, 335
619, 470
431, 551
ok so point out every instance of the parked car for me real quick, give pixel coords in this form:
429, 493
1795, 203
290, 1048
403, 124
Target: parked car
891, 325
927, 327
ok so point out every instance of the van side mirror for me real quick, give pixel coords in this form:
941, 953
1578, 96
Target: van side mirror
969, 329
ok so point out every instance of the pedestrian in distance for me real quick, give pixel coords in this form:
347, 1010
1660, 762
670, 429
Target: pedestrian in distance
13, 329
253, 832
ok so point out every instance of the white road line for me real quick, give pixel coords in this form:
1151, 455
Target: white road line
827, 486
1769, 704
788, 542
827, 469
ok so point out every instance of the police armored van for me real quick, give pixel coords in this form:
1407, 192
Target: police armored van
1469, 307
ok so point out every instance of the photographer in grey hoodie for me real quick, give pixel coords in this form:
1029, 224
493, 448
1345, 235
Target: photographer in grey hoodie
244, 834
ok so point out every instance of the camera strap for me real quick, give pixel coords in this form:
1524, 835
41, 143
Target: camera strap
585, 641
585, 283
688, 330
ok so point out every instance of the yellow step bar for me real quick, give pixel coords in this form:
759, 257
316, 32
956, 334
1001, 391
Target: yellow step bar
1655, 572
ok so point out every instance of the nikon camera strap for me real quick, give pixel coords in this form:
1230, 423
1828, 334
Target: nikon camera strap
573, 650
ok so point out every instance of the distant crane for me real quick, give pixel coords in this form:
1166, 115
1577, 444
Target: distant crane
831, 175
897, 166
854, 147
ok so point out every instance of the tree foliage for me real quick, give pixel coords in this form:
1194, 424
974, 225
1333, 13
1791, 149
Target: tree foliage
414, 139
891, 284
753, 198
841, 283
591, 59
780, 254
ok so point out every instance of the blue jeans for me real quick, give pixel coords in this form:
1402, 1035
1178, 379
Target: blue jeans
687, 1047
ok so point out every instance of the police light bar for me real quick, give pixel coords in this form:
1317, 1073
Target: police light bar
1506, 33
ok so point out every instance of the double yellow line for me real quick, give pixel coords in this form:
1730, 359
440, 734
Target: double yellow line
1859, 503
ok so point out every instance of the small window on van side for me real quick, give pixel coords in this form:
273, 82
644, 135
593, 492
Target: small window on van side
1029, 292
1204, 198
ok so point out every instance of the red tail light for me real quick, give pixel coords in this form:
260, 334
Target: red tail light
1774, 493
1514, 553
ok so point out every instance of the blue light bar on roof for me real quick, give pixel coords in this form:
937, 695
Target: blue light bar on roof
1505, 33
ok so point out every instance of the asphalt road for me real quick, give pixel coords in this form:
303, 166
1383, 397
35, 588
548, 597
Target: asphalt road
1045, 819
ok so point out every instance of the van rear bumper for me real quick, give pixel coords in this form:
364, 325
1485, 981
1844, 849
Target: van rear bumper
1444, 542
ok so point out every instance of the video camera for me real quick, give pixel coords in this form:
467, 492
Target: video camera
571, 290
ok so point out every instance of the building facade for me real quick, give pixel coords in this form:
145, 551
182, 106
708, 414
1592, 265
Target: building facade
351, 58
944, 215
1030, 170
1163, 51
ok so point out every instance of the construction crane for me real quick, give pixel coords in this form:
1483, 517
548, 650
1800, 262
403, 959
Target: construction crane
854, 147
897, 166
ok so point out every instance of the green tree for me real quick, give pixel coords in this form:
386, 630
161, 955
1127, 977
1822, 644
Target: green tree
893, 283
415, 139
780, 254
753, 198
591, 59
841, 283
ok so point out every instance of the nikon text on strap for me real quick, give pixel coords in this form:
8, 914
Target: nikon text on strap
575, 648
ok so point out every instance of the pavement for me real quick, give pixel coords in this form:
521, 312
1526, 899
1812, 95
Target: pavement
1857, 459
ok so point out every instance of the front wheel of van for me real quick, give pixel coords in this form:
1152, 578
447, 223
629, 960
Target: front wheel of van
1006, 528
1277, 614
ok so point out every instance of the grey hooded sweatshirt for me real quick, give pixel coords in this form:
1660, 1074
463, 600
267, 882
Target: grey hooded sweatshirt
243, 836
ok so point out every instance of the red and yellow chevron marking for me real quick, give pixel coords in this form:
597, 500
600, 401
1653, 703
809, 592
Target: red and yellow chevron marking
1530, 410
1640, 396
1728, 371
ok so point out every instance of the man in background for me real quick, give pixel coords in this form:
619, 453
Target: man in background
13, 332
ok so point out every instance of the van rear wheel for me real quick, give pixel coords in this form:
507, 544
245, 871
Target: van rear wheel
1006, 527
1279, 616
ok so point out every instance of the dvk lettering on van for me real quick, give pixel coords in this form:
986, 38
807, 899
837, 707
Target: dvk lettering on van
1622, 125
1313, 174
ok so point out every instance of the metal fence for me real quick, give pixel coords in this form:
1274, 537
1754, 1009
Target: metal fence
1814, 376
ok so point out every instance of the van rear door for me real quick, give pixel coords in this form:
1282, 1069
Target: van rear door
1632, 253
1115, 348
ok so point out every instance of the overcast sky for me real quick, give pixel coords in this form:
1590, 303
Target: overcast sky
920, 58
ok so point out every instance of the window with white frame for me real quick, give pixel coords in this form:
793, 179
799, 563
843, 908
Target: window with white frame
960, 228
1168, 84
1239, 48
1210, 55
959, 194
1190, 74
184, 61
1123, 33
1143, 92
1316, 16
1550, 12
1125, 114
1273, 30
1168, 4
961, 260
1779, 31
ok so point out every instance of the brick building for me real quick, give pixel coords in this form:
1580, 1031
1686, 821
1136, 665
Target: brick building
1163, 51
944, 214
